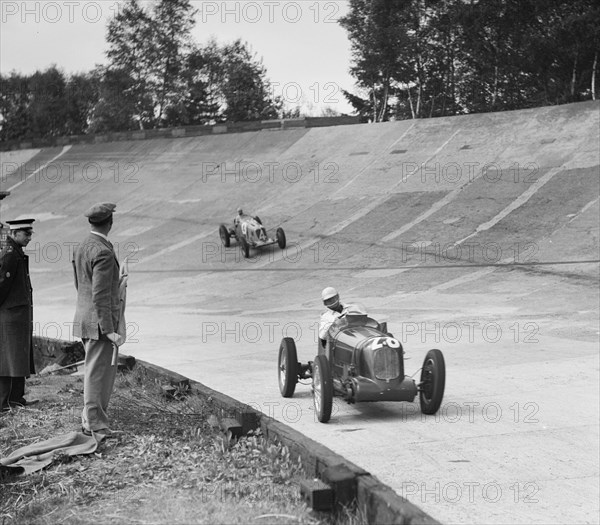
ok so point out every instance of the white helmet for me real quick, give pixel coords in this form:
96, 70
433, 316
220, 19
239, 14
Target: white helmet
331, 298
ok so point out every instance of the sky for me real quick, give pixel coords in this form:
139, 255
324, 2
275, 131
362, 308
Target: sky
305, 51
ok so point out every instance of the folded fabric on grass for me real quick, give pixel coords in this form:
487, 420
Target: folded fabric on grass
36, 456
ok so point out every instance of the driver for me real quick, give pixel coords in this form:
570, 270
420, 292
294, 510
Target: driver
331, 299
238, 217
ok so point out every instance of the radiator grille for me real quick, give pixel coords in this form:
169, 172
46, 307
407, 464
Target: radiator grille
386, 363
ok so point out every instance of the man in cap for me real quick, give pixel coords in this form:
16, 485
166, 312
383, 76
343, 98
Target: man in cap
97, 316
16, 316
331, 299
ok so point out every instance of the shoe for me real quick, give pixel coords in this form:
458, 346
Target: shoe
104, 432
23, 402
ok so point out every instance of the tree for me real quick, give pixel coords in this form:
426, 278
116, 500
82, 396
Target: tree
172, 23
47, 106
379, 37
82, 96
156, 76
437, 57
203, 77
117, 107
130, 39
14, 104
152, 46
245, 88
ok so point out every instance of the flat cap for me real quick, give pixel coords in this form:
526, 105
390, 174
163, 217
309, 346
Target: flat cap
100, 212
21, 224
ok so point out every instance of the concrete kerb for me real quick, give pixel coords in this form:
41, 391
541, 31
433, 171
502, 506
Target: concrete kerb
377, 502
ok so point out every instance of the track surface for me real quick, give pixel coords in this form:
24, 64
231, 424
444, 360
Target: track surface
477, 235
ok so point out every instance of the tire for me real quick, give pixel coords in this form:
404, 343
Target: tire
287, 367
257, 219
245, 247
433, 382
322, 388
224, 234
280, 235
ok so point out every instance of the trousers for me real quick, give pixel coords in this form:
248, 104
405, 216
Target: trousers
12, 390
98, 381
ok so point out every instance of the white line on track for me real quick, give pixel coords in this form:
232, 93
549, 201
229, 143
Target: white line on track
518, 202
64, 150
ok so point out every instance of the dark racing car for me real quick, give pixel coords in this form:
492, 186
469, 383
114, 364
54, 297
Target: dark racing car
361, 361
250, 233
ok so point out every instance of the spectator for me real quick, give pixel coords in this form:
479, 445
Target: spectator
97, 317
16, 316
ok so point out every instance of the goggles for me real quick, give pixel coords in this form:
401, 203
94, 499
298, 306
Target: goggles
332, 301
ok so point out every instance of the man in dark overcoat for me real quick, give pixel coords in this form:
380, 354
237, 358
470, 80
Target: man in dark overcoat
97, 316
16, 316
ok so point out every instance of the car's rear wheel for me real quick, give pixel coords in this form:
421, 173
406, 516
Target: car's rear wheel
287, 367
224, 234
433, 382
322, 388
280, 235
245, 247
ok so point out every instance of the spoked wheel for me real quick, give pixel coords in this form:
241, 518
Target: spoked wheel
224, 234
245, 247
280, 235
433, 382
287, 367
322, 388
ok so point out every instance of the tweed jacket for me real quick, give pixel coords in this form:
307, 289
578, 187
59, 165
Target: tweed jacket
96, 272
16, 312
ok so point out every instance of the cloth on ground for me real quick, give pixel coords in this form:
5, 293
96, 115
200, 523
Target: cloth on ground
36, 456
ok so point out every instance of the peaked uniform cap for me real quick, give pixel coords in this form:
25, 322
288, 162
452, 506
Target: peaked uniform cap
100, 212
21, 224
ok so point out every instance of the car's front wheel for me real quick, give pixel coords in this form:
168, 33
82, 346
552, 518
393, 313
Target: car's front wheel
322, 388
280, 235
224, 234
433, 382
287, 367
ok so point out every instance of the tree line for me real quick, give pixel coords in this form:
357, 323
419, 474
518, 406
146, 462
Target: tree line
410, 59
156, 76
429, 58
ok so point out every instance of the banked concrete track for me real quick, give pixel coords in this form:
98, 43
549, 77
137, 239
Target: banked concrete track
477, 235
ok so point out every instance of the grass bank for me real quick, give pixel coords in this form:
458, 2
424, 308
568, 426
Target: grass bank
166, 463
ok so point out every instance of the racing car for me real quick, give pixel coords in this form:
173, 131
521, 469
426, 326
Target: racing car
250, 233
361, 361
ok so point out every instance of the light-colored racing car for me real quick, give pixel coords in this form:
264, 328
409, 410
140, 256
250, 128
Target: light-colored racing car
250, 233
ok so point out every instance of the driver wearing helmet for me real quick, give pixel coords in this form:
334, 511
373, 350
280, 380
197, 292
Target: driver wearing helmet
238, 217
331, 300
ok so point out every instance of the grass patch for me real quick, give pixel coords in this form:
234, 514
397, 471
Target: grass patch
167, 463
